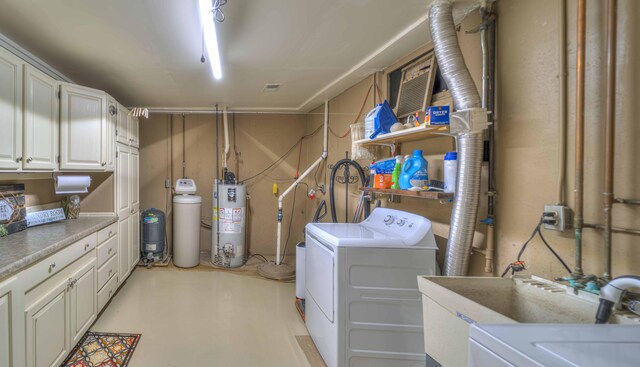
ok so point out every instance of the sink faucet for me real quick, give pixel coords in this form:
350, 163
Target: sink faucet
611, 294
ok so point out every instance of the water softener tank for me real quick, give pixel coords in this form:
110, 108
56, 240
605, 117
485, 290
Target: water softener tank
229, 217
153, 234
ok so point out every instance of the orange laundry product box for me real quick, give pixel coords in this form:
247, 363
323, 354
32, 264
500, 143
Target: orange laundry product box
383, 181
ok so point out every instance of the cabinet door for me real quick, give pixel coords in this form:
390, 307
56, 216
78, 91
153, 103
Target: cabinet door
124, 251
10, 111
41, 116
82, 293
7, 326
122, 126
110, 140
83, 118
134, 234
47, 329
134, 132
123, 186
134, 180
5, 329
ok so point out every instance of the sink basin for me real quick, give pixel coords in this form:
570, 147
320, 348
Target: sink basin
450, 304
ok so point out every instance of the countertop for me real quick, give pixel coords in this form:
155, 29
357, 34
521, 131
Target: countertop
21, 249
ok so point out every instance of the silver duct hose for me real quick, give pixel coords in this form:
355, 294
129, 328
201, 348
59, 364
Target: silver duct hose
469, 141
450, 60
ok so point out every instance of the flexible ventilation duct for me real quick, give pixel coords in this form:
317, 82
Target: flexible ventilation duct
469, 141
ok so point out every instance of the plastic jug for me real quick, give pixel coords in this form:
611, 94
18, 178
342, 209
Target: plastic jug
414, 172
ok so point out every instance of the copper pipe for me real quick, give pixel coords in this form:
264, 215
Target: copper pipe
609, 132
635, 232
579, 165
626, 201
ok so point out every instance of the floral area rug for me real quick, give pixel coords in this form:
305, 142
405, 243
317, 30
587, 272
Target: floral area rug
103, 350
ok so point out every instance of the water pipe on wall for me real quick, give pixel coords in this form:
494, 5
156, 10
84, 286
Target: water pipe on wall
579, 154
609, 132
225, 124
562, 110
322, 157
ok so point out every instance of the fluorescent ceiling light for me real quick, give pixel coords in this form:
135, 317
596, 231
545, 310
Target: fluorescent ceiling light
210, 37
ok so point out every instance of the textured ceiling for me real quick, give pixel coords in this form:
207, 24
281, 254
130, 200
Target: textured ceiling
147, 52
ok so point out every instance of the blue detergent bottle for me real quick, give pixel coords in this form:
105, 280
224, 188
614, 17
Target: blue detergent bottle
414, 172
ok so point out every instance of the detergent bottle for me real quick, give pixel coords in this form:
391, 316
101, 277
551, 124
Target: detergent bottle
414, 172
395, 177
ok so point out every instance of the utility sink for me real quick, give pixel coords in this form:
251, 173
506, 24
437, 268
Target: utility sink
450, 304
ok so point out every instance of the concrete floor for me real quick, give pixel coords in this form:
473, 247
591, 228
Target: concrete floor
195, 318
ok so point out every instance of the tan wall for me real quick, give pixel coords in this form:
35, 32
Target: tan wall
39, 190
260, 139
527, 149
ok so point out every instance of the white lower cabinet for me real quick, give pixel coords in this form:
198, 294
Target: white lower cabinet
82, 294
7, 322
134, 245
47, 325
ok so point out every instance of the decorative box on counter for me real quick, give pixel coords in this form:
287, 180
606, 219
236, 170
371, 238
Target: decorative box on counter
12, 209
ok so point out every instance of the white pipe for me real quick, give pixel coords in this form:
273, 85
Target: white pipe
226, 138
315, 164
325, 146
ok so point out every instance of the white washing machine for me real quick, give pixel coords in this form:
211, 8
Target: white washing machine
363, 306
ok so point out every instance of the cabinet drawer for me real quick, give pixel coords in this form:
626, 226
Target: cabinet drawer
107, 271
107, 292
108, 232
58, 261
107, 250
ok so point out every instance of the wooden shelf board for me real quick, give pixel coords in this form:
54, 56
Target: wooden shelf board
433, 195
415, 133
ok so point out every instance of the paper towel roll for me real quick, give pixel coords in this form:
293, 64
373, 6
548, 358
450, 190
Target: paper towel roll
72, 184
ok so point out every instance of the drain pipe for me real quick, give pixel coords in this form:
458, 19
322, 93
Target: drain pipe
610, 129
322, 157
467, 125
579, 158
225, 125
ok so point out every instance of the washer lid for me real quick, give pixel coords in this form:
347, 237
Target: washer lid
187, 199
352, 235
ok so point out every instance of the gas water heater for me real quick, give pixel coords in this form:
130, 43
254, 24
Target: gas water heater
228, 232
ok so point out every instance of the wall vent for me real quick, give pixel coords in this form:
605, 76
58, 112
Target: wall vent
416, 86
271, 87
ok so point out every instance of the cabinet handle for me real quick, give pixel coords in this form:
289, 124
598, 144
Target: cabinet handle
110, 293
86, 246
19, 159
131, 211
103, 164
29, 160
110, 272
110, 233
52, 266
110, 249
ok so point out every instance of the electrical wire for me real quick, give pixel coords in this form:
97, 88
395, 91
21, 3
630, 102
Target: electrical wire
285, 155
518, 265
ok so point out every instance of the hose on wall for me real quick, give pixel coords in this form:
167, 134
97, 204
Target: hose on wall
469, 143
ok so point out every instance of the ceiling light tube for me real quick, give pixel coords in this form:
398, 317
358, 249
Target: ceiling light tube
210, 37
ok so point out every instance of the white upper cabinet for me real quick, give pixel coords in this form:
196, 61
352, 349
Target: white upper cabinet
110, 140
10, 111
41, 112
83, 128
122, 127
134, 132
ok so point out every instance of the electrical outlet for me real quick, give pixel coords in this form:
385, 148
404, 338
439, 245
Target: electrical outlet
559, 220
167, 183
